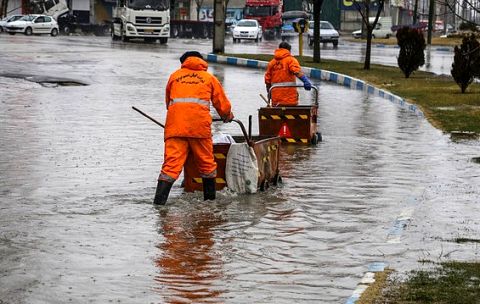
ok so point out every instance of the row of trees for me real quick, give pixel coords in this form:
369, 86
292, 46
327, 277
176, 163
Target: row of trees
364, 9
466, 61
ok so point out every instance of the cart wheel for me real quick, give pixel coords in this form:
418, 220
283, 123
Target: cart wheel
264, 185
277, 179
316, 138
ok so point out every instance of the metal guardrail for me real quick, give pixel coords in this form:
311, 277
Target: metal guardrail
275, 86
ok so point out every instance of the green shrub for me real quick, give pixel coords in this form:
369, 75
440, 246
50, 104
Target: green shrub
466, 62
412, 45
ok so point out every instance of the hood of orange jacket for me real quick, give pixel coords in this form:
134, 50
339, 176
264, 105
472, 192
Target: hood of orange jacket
195, 63
190, 92
281, 53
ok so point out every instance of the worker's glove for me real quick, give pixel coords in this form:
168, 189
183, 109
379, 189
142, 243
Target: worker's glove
229, 117
307, 85
268, 86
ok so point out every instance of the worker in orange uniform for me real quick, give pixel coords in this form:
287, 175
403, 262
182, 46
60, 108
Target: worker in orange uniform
284, 69
190, 92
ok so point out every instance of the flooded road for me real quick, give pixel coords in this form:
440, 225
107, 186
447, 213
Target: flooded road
79, 167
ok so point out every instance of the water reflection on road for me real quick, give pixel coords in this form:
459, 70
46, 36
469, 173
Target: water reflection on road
189, 264
78, 170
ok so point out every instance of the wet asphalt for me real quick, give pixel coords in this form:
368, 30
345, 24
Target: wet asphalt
79, 167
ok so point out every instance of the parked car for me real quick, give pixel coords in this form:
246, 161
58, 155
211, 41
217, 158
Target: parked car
248, 29
4, 21
328, 34
383, 29
33, 24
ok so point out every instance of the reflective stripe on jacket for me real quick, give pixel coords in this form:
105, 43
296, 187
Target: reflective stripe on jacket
188, 94
283, 68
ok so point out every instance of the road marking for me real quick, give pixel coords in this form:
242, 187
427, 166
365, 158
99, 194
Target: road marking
393, 237
367, 279
402, 221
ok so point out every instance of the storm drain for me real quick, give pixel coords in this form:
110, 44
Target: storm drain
56, 83
46, 81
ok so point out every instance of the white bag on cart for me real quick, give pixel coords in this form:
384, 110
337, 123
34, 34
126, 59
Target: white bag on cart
241, 170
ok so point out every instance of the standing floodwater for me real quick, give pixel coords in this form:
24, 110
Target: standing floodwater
79, 167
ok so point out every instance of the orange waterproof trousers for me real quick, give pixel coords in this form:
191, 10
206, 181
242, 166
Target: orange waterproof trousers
176, 153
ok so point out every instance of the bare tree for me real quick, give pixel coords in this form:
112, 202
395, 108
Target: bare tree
363, 7
465, 4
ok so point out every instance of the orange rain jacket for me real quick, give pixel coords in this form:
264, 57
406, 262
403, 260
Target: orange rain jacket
283, 68
188, 94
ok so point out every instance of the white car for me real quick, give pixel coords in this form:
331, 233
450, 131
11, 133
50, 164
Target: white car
248, 29
33, 24
357, 34
328, 34
382, 29
4, 21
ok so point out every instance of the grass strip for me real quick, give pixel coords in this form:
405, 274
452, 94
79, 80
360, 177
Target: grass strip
449, 282
436, 41
374, 290
438, 96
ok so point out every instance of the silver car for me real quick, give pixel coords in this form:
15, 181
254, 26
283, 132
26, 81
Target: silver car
33, 24
4, 21
328, 34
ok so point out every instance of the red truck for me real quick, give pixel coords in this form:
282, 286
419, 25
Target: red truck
268, 13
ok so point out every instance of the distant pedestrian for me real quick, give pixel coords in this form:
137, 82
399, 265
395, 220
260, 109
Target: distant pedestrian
190, 92
284, 69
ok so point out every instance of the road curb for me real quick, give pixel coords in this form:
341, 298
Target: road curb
341, 79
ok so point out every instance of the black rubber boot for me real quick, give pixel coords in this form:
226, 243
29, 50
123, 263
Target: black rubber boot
208, 188
161, 195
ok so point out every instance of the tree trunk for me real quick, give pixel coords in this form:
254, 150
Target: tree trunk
368, 51
317, 6
431, 21
415, 12
3, 8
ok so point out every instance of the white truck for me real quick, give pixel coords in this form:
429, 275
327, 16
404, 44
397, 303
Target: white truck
145, 19
54, 8
57, 9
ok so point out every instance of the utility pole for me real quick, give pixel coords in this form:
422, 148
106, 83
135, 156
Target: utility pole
92, 11
219, 26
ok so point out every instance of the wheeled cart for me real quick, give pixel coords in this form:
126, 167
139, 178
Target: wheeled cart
266, 150
294, 124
